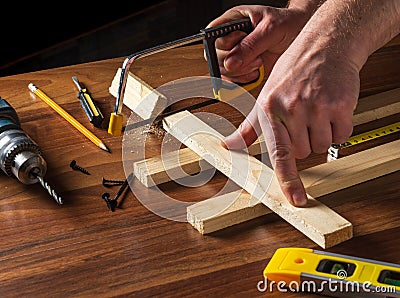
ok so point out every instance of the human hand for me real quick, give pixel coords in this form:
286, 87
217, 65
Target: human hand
306, 105
241, 56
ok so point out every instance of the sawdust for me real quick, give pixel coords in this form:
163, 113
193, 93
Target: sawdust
154, 129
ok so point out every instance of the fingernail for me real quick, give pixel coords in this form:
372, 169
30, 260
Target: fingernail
233, 141
299, 199
255, 65
226, 142
223, 144
233, 62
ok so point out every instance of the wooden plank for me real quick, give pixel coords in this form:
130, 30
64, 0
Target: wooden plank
175, 165
209, 216
353, 169
136, 92
377, 106
223, 211
259, 181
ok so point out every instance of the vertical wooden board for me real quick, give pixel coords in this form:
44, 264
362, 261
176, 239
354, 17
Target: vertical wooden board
136, 92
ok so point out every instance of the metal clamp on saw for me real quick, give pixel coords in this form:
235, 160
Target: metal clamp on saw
208, 35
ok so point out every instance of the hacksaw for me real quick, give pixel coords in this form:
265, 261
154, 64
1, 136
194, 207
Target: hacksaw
208, 36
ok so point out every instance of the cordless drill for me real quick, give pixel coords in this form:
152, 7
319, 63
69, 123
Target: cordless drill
20, 156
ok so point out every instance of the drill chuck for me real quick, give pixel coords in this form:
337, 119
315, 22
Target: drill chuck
21, 157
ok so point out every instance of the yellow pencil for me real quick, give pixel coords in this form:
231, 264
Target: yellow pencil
67, 117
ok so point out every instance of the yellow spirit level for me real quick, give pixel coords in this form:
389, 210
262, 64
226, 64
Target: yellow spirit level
336, 275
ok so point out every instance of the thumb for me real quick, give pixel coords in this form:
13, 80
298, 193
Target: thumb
245, 134
248, 52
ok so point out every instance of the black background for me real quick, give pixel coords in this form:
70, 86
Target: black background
27, 29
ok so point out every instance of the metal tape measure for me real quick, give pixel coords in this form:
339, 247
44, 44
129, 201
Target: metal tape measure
333, 151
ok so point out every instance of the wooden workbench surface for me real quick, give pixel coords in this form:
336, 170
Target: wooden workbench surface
83, 249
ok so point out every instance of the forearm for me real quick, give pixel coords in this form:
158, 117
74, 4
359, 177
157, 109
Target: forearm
308, 6
354, 29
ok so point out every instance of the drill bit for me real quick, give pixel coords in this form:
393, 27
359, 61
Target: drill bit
50, 190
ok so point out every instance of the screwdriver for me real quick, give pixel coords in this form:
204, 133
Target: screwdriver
89, 105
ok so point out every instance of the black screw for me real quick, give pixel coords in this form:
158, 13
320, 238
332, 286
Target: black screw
74, 166
110, 182
113, 203
122, 189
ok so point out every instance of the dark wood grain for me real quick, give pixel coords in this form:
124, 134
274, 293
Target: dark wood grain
83, 249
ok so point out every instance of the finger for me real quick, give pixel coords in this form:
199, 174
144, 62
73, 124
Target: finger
245, 134
342, 130
245, 78
231, 64
342, 122
241, 62
241, 77
251, 75
234, 77
321, 135
229, 41
225, 69
223, 46
228, 16
280, 150
251, 46
299, 135
221, 55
